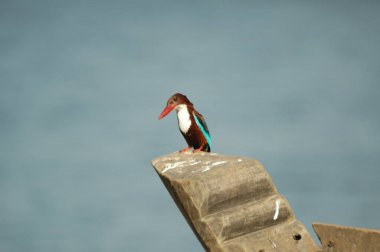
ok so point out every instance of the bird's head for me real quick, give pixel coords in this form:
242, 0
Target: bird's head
173, 102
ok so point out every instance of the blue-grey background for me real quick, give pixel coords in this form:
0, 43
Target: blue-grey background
294, 85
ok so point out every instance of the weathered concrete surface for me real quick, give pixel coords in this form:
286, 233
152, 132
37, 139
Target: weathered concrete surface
347, 239
231, 203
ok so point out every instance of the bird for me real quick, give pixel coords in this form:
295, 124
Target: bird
192, 124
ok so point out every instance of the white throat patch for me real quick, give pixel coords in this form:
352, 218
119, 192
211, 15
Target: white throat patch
183, 116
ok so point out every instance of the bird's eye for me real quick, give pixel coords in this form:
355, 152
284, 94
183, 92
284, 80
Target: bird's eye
175, 98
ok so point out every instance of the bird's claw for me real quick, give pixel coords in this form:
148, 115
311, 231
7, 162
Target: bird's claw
185, 149
197, 150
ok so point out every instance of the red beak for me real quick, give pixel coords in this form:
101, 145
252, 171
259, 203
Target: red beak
166, 111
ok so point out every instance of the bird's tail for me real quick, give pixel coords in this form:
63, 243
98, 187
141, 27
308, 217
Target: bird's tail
207, 148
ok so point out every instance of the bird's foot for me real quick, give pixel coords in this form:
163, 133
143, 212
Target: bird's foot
185, 149
197, 150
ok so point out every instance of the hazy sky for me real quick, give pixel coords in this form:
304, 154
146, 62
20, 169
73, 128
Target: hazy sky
293, 84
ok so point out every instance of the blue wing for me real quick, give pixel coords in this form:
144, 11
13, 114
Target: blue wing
203, 126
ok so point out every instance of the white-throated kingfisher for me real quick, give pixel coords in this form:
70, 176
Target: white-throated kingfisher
191, 123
